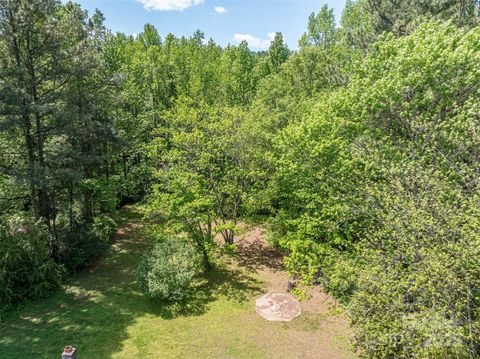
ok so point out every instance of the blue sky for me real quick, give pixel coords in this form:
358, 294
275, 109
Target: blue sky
226, 21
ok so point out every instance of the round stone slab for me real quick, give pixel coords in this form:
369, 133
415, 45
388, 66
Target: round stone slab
277, 307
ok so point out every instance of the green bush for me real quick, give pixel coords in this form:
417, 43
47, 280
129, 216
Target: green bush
168, 270
26, 268
104, 228
381, 195
137, 183
106, 195
80, 247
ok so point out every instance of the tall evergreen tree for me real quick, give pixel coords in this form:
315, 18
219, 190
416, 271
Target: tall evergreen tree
278, 53
33, 72
402, 17
322, 29
86, 123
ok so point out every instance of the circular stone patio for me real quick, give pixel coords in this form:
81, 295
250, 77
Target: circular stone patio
277, 307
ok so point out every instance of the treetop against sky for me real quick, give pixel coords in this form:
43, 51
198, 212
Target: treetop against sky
226, 21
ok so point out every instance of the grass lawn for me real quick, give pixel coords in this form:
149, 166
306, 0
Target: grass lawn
103, 313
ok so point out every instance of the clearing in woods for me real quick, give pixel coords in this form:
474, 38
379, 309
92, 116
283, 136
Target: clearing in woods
104, 314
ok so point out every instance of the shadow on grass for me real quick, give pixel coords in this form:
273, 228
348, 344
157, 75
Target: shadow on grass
96, 309
258, 255
232, 284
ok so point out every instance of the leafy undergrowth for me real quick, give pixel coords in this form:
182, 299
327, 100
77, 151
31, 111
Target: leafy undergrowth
103, 313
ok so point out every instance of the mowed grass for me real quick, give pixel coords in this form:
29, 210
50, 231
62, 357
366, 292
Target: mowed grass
104, 314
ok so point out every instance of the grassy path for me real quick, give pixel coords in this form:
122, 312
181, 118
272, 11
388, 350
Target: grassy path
103, 313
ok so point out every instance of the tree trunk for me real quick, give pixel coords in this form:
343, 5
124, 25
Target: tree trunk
43, 204
125, 165
206, 261
70, 207
88, 207
26, 123
230, 236
107, 165
44, 207
88, 199
31, 164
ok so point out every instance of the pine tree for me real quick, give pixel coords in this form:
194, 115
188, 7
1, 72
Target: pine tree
32, 76
402, 17
87, 125
278, 53
322, 30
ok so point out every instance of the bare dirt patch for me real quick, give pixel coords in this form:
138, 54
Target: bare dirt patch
321, 331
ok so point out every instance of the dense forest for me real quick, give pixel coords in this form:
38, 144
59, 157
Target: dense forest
360, 152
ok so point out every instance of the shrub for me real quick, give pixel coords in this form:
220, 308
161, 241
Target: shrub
80, 246
168, 270
136, 184
26, 268
106, 195
104, 228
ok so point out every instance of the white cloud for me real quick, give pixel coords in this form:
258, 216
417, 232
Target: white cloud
255, 42
169, 5
220, 9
